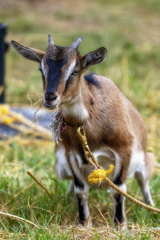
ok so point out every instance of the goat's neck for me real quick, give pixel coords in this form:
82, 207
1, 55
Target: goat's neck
77, 110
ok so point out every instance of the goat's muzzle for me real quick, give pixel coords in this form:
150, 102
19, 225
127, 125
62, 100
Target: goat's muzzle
49, 100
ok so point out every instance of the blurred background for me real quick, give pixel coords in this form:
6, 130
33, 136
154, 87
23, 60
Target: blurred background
130, 30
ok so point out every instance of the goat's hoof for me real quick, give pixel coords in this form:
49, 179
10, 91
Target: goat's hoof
86, 224
151, 203
121, 227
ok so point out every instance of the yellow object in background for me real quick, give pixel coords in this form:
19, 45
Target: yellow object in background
8, 116
4, 109
5, 118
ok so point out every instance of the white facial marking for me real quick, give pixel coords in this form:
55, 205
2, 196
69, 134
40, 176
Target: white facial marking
69, 70
44, 70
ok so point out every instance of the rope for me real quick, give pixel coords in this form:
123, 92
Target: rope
99, 174
130, 197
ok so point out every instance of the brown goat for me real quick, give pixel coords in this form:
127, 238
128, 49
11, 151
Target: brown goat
115, 130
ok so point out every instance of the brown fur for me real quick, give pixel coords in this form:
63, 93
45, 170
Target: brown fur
114, 124
111, 108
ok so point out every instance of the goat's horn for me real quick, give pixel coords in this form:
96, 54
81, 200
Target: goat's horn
77, 42
50, 40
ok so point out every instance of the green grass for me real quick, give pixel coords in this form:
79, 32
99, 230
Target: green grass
35, 205
130, 32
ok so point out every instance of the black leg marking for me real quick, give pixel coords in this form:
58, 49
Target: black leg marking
117, 179
118, 217
78, 183
82, 214
80, 189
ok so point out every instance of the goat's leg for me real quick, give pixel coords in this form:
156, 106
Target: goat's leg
121, 170
143, 175
81, 192
119, 208
71, 186
144, 185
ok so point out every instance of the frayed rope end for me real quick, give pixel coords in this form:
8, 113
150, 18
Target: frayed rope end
97, 176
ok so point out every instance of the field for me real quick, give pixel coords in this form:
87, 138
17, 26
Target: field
130, 30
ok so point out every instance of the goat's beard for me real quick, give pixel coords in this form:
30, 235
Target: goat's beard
56, 126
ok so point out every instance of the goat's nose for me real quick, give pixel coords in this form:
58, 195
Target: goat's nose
49, 96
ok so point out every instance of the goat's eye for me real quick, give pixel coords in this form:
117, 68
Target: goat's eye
75, 73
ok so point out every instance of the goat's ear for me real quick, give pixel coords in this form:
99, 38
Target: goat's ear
94, 57
29, 53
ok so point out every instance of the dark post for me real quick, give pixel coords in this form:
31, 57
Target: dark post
3, 48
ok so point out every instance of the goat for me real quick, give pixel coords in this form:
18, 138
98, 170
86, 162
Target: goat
115, 130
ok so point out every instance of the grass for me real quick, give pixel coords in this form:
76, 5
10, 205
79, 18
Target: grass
130, 32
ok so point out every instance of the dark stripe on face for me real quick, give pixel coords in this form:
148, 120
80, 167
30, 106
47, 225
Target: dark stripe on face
54, 74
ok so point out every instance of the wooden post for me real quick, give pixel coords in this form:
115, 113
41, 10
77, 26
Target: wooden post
3, 49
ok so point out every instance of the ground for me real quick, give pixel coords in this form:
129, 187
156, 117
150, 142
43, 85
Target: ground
130, 32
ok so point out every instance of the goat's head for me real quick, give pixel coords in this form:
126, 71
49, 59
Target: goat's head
61, 69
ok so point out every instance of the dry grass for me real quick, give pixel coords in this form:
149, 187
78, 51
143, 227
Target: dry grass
130, 31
